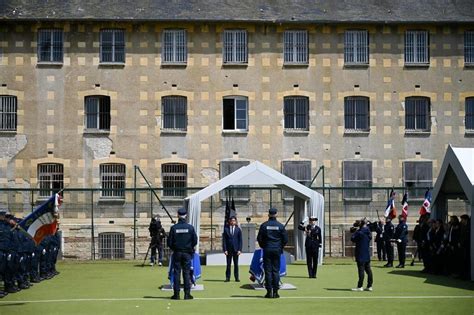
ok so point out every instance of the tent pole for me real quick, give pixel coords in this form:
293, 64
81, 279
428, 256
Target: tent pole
212, 247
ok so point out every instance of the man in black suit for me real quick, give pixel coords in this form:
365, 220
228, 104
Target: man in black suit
232, 246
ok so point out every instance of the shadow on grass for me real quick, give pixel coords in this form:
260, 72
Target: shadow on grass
247, 296
436, 279
213, 280
337, 289
247, 287
12, 303
157, 297
301, 277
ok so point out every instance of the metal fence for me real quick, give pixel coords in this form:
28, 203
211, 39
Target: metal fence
102, 228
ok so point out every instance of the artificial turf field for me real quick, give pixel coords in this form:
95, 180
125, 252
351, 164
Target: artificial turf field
126, 288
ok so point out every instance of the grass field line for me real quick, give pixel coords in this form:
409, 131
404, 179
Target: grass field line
244, 298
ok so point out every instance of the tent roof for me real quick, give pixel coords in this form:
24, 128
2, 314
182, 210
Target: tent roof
256, 174
456, 177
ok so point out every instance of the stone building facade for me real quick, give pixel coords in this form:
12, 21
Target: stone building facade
316, 92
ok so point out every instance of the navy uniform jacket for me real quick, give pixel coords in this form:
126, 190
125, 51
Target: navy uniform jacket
24, 242
272, 235
6, 237
182, 237
389, 231
232, 243
313, 239
401, 232
362, 238
379, 232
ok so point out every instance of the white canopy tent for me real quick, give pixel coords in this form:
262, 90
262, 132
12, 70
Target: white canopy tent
307, 202
456, 180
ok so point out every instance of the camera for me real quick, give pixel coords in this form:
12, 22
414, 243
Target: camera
360, 223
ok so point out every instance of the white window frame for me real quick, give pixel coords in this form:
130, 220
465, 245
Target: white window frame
236, 100
8, 113
112, 180
48, 175
357, 194
55, 44
417, 48
235, 47
114, 45
356, 47
174, 52
295, 47
469, 48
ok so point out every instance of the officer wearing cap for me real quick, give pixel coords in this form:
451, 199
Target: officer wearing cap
272, 237
5, 246
182, 240
312, 245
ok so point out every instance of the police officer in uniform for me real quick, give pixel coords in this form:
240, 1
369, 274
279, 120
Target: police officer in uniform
182, 240
5, 247
381, 254
389, 231
312, 245
401, 238
272, 237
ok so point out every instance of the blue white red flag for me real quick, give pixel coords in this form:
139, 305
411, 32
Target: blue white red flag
390, 210
426, 206
405, 206
43, 220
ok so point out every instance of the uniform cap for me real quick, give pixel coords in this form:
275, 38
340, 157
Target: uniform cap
313, 218
182, 211
272, 211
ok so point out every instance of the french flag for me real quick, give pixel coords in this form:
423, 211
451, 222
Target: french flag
405, 206
426, 206
390, 210
42, 221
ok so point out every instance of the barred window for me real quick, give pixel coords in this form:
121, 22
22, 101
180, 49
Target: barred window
235, 113
299, 171
175, 179
356, 47
50, 45
356, 113
469, 47
235, 46
417, 114
469, 120
112, 45
417, 177
97, 112
357, 174
174, 47
50, 178
296, 111
174, 110
112, 180
227, 168
8, 113
416, 47
295, 48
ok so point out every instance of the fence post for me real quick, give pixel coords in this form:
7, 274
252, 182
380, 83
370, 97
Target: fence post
212, 238
330, 225
32, 200
151, 203
135, 213
92, 226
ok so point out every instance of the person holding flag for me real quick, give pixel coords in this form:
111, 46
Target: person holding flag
390, 213
390, 210
401, 238
405, 205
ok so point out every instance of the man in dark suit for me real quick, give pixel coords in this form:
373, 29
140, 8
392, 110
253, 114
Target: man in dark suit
232, 247
312, 245
361, 237
388, 233
401, 238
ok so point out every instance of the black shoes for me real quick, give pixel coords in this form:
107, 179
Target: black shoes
275, 294
237, 280
269, 294
388, 265
400, 266
188, 296
227, 280
175, 296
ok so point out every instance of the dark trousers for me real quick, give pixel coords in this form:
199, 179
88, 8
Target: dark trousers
364, 267
312, 261
389, 250
154, 248
182, 261
381, 252
271, 266
402, 248
232, 256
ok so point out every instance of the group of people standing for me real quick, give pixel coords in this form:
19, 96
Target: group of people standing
387, 237
22, 261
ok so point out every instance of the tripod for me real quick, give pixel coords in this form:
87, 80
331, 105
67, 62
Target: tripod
146, 256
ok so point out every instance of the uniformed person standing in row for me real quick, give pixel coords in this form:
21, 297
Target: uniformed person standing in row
312, 245
388, 233
272, 237
182, 240
401, 238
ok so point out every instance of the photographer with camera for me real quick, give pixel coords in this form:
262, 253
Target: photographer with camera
312, 244
157, 234
361, 237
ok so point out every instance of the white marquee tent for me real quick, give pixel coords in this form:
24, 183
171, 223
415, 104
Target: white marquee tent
307, 202
456, 180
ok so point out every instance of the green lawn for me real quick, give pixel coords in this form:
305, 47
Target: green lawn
125, 288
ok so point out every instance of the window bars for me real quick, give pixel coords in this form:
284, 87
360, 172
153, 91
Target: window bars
8, 113
50, 45
50, 178
112, 180
174, 49
174, 179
